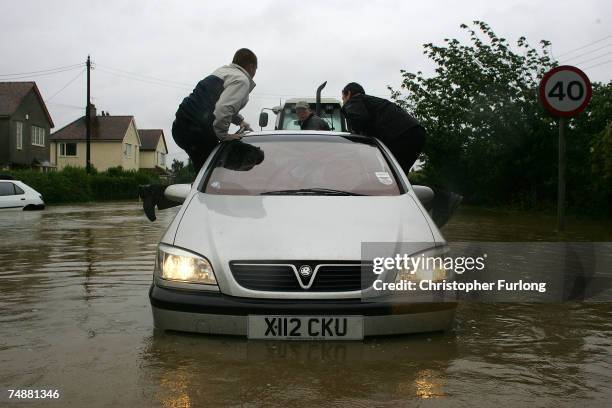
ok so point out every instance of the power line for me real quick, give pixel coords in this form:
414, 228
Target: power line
50, 70
66, 106
601, 63
40, 75
589, 52
66, 86
594, 58
585, 46
134, 78
142, 75
121, 73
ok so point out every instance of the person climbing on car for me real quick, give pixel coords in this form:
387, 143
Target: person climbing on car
307, 119
403, 134
203, 118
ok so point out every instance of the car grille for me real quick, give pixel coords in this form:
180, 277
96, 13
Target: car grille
281, 276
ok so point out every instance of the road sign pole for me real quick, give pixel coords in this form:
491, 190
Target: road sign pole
564, 92
561, 185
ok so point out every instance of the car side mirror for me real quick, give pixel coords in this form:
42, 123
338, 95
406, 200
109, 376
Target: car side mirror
424, 194
177, 192
263, 119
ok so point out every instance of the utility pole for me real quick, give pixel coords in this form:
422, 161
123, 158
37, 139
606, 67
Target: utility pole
88, 119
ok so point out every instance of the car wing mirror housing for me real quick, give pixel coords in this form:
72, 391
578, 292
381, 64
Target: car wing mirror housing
263, 119
177, 192
424, 194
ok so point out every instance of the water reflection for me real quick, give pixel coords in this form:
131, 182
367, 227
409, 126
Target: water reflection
74, 315
226, 370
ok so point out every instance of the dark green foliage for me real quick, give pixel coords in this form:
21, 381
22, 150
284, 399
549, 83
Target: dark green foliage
182, 173
488, 136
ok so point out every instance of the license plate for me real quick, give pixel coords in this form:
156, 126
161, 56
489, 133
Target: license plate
306, 327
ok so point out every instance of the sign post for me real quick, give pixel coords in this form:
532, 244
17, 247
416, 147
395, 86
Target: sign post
564, 92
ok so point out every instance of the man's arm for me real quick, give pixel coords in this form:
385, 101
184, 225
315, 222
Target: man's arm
232, 99
322, 124
237, 119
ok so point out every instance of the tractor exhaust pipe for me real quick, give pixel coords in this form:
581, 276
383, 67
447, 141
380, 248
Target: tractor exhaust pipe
318, 106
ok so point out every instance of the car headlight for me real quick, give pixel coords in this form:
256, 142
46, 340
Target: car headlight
178, 265
427, 265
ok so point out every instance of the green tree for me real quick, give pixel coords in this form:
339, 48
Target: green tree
177, 166
488, 137
589, 153
182, 173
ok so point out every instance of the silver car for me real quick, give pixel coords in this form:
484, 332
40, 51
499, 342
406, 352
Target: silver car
268, 241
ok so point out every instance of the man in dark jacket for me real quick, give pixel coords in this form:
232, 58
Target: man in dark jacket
371, 116
307, 118
399, 131
203, 118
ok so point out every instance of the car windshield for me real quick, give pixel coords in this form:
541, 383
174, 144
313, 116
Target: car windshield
302, 165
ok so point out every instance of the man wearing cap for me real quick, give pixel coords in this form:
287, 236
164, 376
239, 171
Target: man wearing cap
307, 118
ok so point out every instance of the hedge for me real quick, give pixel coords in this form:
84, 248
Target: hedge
75, 185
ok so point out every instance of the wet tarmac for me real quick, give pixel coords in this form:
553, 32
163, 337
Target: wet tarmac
75, 317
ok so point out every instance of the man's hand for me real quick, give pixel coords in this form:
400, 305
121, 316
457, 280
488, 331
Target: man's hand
232, 137
246, 126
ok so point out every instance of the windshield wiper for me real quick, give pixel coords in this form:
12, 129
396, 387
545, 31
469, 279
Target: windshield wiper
312, 191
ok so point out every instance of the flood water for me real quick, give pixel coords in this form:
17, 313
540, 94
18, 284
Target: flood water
75, 317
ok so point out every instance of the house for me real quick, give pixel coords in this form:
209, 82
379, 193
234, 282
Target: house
114, 142
25, 124
153, 149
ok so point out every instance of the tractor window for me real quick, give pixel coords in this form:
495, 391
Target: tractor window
290, 120
329, 112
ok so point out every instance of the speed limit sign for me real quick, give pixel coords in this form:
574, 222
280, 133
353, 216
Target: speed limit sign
565, 91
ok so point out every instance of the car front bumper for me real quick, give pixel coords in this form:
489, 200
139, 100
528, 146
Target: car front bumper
215, 313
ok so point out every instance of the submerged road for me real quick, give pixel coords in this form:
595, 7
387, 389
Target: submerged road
75, 317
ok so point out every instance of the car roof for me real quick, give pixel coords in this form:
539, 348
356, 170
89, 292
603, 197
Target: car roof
313, 133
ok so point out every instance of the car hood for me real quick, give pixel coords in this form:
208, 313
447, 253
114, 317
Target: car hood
226, 228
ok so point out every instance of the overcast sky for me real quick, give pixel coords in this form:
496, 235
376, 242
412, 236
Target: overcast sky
299, 44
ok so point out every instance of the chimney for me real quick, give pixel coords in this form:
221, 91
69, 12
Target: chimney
92, 112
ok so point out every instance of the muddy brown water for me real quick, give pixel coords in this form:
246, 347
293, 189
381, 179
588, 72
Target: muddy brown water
75, 317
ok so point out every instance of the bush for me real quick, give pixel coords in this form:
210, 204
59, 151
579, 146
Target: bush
75, 185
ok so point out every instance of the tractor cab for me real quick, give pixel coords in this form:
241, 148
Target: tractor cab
327, 109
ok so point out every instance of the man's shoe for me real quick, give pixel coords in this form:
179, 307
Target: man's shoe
146, 193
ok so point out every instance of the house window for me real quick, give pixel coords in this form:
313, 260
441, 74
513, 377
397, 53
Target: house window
19, 135
68, 149
38, 136
162, 159
127, 150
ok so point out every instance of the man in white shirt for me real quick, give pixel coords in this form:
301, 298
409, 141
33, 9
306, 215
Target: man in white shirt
203, 118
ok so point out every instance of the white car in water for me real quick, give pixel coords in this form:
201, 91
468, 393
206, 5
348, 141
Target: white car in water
17, 195
268, 242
